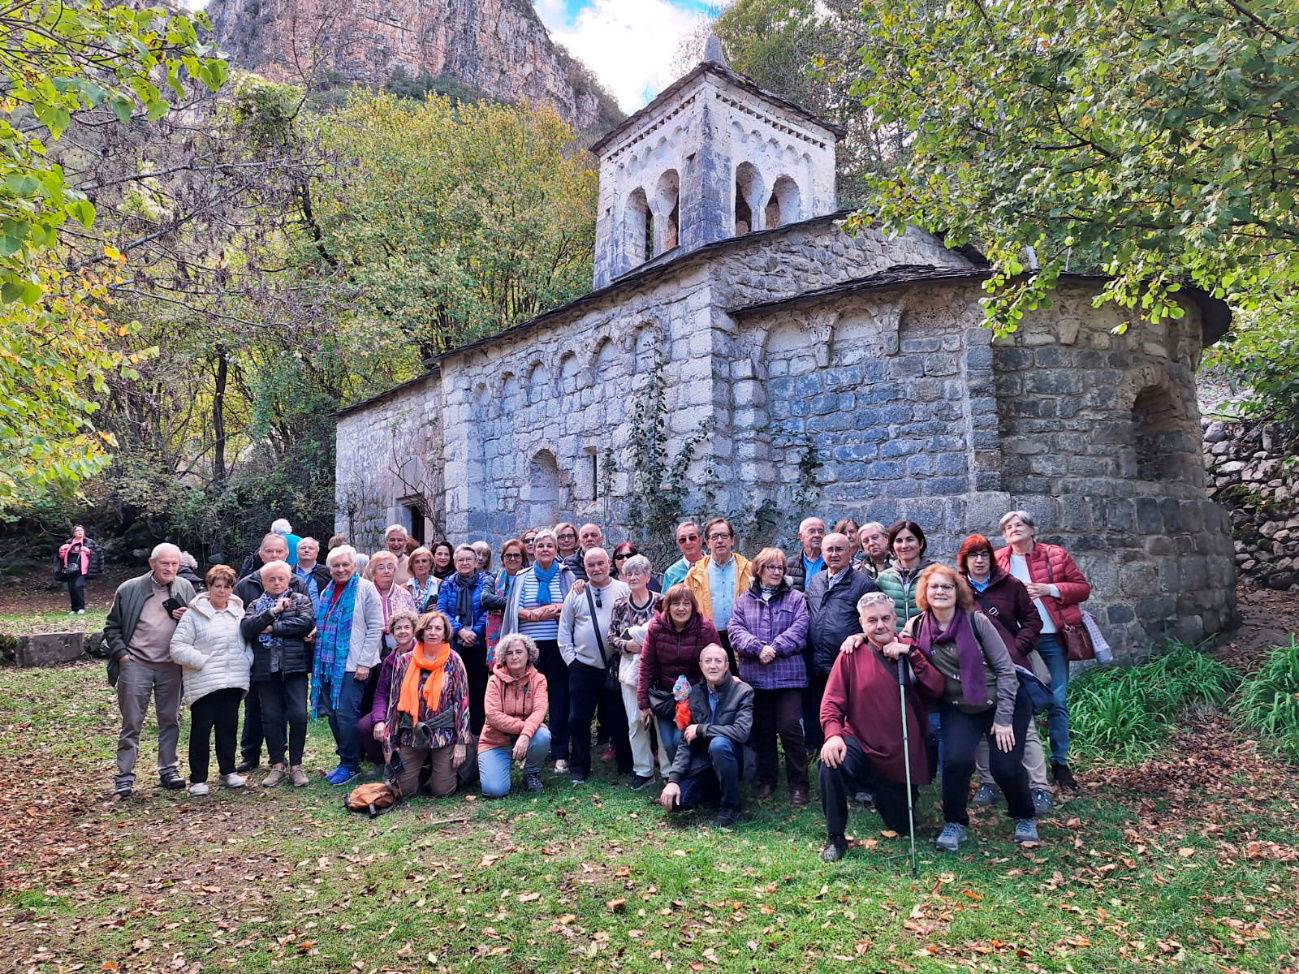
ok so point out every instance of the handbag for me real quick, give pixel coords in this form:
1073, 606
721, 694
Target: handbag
1038, 693
70, 571
610, 672
662, 703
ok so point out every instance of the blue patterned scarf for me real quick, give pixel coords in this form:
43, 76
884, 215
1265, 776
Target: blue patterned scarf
333, 636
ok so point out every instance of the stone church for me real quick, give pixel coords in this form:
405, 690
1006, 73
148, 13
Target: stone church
814, 372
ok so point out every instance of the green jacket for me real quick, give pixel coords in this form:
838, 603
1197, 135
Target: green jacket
901, 588
128, 603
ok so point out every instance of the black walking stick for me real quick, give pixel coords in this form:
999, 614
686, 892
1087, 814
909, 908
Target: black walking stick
906, 761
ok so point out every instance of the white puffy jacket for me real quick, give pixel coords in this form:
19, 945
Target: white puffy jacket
207, 644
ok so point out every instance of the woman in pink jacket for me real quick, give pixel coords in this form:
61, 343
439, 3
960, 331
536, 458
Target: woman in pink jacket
514, 711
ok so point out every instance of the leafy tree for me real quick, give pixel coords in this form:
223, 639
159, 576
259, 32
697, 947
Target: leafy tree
453, 221
58, 62
1154, 141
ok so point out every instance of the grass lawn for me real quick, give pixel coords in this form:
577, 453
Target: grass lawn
1187, 862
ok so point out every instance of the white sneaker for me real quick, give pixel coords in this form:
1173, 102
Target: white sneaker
81, 612
561, 766
233, 780
198, 788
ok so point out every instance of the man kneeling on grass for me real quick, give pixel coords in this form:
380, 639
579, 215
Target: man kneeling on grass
861, 716
711, 759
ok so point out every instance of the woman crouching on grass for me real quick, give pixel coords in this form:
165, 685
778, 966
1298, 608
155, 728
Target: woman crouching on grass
216, 666
513, 728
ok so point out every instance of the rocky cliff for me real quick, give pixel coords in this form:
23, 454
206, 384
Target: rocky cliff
499, 47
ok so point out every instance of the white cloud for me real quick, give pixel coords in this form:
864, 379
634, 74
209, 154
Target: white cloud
629, 44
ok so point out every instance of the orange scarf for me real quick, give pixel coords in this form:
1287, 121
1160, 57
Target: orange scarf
436, 667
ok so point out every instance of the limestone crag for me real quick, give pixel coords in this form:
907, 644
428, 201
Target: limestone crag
1252, 472
497, 46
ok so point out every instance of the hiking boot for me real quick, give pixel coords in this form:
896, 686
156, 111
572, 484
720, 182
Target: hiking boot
298, 776
532, 782
171, 780
234, 780
798, 796
247, 764
639, 782
275, 776
950, 839
984, 796
1063, 776
561, 766
1041, 801
120, 794
1025, 830
198, 788
835, 848
726, 817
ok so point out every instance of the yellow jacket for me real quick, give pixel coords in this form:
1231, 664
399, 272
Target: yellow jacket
697, 581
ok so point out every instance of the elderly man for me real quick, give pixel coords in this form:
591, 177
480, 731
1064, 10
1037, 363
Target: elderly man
873, 557
807, 560
718, 580
138, 633
583, 642
690, 543
274, 547
832, 616
588, 536
714, 753
394, 539
310, 570
861, 717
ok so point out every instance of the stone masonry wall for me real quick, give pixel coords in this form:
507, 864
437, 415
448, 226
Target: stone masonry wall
1253, 471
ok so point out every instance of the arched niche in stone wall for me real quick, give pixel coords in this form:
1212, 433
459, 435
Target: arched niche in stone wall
638, 228
785, 204
543, 490
507, 396
667, 211
749, 194
568, 375
1164, 443
538, 384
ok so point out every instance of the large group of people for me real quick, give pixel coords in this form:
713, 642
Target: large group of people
857, 650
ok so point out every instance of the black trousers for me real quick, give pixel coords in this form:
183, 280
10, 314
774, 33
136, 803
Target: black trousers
555, 670
812, 695
961, 735
857, 773
77, 592
283, 702
779, 712
219, 711
585, 691
250, 740
475, 660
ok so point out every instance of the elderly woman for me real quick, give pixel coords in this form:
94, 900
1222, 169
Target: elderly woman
382, 570
847, 527
907, 544
276, 624
423, 584
768, 629
349, 636
215, 666
627, 629
484, 552
981, 701
1057, 588
1004, 600
443, 554
514, 728
370, 732
460, 599
427, 722
533, 608
513, 560
78, 557
673, 641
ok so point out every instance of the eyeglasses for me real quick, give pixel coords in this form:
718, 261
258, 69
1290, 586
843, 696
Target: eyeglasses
718, 535
979, 554
941, 587
620, 557
567, 536
687, 537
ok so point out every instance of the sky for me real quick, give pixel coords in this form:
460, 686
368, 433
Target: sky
629, 44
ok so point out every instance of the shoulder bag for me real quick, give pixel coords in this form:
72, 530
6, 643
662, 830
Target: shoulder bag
1077, 641
610, 672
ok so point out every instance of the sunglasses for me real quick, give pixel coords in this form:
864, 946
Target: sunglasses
687, 537
512, 554
621, 557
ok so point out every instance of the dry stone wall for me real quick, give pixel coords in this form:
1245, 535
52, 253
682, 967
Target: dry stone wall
1253, 472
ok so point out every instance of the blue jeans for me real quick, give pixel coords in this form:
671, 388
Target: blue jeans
721, 783
1057, 714
342, 719
494, 764
669, 741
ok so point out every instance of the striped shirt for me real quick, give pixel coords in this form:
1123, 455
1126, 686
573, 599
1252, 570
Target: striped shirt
528, 600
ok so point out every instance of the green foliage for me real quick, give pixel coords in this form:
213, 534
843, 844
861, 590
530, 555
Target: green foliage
57, 62
1260, 356
454, 221
1152, 141
1269, 701
1127, 713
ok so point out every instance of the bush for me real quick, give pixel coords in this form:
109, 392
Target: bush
1269, 701
1127, 713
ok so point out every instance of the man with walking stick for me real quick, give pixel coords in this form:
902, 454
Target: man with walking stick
874, 723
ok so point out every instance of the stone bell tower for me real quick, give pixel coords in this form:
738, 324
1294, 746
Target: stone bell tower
713, 156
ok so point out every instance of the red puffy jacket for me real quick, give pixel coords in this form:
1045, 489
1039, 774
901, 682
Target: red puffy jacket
1049, 564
